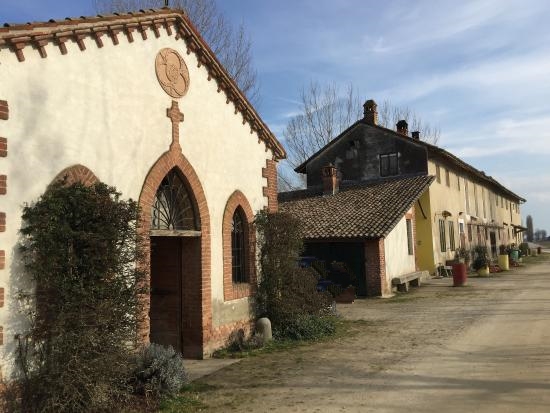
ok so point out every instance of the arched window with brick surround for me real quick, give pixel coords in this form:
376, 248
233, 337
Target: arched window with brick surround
239, 230
238, 248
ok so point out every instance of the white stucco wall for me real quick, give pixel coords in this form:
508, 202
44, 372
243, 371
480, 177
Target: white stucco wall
398, 260
104, 108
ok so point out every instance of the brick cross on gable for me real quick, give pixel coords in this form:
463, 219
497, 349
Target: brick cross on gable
176, 117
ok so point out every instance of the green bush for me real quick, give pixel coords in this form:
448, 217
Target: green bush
481, 257
80, 248
159, 371
306, 327
287, 294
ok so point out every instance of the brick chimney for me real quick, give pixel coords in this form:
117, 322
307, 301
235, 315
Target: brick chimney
416, 135
370, 112
402, 127
330, 179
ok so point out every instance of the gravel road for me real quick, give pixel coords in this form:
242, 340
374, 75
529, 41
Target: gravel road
484, 347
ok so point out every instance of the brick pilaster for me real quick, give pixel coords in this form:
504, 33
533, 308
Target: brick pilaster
375, 268
270, 191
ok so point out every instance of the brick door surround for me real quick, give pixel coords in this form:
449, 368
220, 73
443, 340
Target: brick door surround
168, 161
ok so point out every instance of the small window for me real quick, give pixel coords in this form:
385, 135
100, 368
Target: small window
442, 236
451, 236
458, 182
410, 237
238, 248
470, 229
389, 165
438, 174
447, 178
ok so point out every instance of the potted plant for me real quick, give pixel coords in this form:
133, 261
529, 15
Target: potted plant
481, 260
503, 259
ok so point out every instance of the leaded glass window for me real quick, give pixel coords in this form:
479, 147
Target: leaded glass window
173, 207
238, 248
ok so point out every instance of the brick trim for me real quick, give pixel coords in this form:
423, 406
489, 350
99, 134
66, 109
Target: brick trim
4, 110
3, 147
270, 190
168, 161
2, 259
76, 173
3, 184
2, 221
231, 290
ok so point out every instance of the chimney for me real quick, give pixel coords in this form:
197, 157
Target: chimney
370, 113
403, 128
416, 135
330, 179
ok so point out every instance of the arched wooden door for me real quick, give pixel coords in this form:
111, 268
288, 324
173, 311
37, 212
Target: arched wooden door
175, 265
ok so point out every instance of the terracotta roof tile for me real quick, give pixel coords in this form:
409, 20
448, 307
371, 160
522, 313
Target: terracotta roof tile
357, 211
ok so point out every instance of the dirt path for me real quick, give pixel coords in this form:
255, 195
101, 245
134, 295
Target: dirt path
481, 348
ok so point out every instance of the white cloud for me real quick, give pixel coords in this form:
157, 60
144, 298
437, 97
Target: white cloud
524, 136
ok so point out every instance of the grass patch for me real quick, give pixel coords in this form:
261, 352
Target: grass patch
188, 400
342, 328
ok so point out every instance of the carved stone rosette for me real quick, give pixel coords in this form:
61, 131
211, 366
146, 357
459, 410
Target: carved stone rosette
172, 73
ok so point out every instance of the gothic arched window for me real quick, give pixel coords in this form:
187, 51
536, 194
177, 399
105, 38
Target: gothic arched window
173, 207
239, 233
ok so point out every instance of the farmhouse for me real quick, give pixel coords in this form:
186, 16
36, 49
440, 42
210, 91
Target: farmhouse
461, 208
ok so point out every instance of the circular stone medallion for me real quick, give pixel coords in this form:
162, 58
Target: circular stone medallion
172, 73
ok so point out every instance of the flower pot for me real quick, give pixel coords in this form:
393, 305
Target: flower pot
483, 271
504, 262
459, 274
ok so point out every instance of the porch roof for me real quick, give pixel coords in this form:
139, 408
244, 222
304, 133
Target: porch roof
368, 210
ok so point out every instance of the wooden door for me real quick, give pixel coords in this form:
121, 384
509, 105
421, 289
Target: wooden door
166, 292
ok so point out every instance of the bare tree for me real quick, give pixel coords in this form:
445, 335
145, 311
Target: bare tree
389, 115
231, 45
325, 112
530, 230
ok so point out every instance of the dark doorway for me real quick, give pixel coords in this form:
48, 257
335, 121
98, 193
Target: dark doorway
166, 292
352, 254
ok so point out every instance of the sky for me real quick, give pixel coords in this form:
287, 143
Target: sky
479, 70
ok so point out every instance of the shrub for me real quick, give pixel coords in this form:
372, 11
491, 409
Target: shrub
80, 248
307, 327
481, 257
287, 294
524, 249
238, 342
159, 371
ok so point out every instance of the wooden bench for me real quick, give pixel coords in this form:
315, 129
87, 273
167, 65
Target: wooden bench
414, 279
